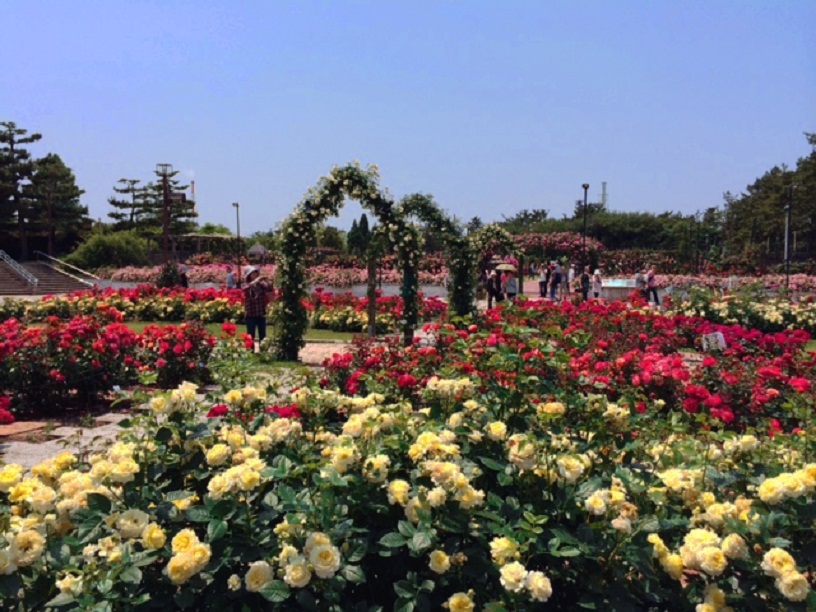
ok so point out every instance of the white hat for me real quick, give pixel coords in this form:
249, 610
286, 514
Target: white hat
249, 270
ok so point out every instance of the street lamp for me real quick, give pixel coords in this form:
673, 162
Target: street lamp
164, 171
788, 212
238, 228
583, 235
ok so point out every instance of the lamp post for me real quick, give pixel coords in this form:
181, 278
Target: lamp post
238, 230
584, 233
788, 212
164, 171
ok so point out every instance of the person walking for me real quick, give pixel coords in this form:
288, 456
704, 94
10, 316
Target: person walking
640, 284
511, 286
230, 278
543, 279
597, 284
651, 286
555, 281
490, 288
256, 299
585, 281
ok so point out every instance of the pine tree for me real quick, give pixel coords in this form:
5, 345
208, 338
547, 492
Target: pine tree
54, 197
353, 238
365, 234
16, 168
129, 210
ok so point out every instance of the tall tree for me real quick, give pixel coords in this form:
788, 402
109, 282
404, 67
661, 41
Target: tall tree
54, 196
181, 210
16, 168
130, 208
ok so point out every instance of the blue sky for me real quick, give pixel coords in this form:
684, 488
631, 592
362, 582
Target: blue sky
491, 107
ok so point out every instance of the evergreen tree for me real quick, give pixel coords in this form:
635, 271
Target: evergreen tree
181, 210
353, 238
54, 197
16, 169
130, 209
365, 234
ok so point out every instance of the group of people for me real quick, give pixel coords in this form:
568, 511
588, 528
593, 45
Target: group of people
501, 285
555, 280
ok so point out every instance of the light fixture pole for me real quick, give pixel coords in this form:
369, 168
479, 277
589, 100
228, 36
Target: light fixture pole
584, 233
238, 229
788, 212
164, 171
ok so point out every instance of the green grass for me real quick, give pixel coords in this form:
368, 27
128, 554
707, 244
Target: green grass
312, 335
811, 345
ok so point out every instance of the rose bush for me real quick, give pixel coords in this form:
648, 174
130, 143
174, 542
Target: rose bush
543, 455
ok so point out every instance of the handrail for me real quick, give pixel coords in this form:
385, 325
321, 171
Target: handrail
14, 265
66, 264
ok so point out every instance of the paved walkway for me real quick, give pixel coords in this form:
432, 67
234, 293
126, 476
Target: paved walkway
34, 442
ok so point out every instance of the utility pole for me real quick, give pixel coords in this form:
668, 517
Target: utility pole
164, 171
788, 213
584, 233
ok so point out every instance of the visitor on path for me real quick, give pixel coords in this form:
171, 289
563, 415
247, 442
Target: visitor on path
555, 281
640, 284
597, 284
490, 287
511, 286
585, 281
651, 286
567, 278
230, 278
498, 287
256, 298
543, 280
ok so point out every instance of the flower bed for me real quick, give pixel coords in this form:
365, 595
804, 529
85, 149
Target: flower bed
544, 454
47, 367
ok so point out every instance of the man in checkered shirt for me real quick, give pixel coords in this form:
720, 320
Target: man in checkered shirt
256, 297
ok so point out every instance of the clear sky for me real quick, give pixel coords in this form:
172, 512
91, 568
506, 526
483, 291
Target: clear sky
491, 107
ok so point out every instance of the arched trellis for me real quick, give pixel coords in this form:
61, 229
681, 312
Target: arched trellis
490, 238
322, 201
423, 207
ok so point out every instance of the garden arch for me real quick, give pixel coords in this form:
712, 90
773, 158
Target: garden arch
460, 296
489, 238
322, 201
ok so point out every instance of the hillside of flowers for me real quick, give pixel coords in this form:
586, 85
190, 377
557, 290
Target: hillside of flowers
541, 456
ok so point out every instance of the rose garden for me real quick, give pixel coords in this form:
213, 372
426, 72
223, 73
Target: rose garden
570, 455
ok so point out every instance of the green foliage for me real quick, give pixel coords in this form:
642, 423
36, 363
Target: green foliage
114, 249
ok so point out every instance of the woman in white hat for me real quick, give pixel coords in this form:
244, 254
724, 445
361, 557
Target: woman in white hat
597, 284
256, 298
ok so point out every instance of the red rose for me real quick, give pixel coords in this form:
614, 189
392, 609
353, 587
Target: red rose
218, 411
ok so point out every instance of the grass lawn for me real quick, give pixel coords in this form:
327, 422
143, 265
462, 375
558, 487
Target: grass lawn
312, 335
811, 345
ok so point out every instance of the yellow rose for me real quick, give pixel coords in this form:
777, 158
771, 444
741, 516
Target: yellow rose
793, 586
513, 576
153, 537
10, 475
234, 582
398, 491
218, 455
596, 503
734, 546
778, 562
439, 562
26, 547
460, 602
538, 585
712, 560
260, 573
70, 585
325, 560
297, 573
7, 565
184, 541
131, 523
180, 568
503, 549
496, 430
672, 564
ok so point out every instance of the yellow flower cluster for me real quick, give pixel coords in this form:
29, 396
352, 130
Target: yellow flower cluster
779, 564
239, 478
788, 485
433, 444
515, 578
458, 389
190, 556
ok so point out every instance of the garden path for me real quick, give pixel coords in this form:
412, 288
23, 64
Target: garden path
28, 443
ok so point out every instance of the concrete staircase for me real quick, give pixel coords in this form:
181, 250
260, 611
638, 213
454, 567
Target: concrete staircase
50, 280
